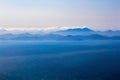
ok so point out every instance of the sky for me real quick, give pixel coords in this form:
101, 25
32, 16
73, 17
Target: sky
58, 14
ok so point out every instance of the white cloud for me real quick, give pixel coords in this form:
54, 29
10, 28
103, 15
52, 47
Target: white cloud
40, 28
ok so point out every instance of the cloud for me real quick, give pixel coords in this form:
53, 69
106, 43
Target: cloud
55, 28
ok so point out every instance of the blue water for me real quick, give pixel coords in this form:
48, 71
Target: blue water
53, 60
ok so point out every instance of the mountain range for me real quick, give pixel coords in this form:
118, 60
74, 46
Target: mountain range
68, 34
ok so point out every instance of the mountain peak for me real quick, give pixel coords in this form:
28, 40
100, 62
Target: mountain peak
86, 29
80, 30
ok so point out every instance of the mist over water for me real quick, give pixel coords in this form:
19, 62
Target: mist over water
60, 60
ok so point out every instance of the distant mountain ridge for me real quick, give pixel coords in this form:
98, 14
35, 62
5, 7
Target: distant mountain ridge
68, 34
78, 30
75, 31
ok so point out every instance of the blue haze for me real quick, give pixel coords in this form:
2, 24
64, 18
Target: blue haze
55, 60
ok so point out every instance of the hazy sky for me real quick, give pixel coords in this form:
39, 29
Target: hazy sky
96, 14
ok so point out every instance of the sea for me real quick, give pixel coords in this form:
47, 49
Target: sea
60, 60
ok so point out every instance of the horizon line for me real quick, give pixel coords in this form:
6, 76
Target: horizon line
56, 28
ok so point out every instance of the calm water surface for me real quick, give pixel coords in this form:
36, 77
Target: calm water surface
53, 60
